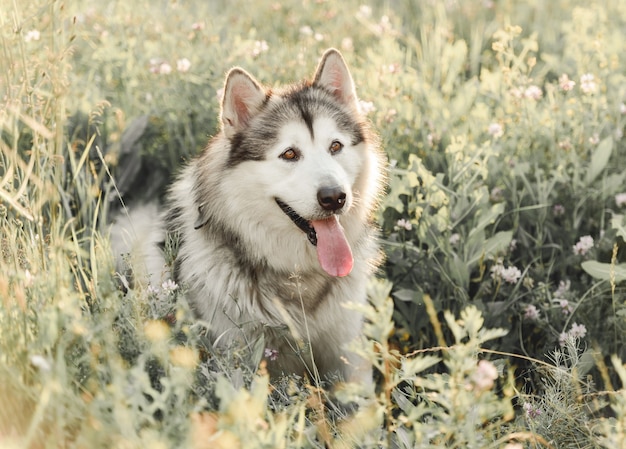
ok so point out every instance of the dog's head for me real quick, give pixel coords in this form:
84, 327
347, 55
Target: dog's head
301, 152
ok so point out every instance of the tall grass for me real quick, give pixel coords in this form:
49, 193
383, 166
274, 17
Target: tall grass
498, 320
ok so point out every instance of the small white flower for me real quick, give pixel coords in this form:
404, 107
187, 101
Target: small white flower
271, 354
578, 330
403, 224
622, 108
183, 65
40, 362
566, 308
594, 139
455, 238
588, 83
259, 47
152, 290
366, 106
533, 92
306, 30
496, 130
319, 37
511, 275
620, 199
165, 69
169, 286
563, 289
584, 245
531, 313
32, 35
365, 11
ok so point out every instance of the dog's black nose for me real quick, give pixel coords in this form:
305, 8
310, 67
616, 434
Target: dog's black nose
331, 198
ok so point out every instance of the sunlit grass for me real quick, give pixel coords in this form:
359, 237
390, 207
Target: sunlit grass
504, 125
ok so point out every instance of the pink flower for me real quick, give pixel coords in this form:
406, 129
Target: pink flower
533, 92
271, 354
485, 375
531, 313
584, 245
565, 83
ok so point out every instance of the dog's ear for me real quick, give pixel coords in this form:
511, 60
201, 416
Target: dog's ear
243, 97
333, 74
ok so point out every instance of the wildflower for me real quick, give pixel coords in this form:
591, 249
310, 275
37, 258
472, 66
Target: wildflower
366, 106
455, 238
403, 224
511, 275
496, 195
533, 92
165, 69
271, 354
169, 286
513, 245
566, 308
32, 35
197, 26
565, 145
364, 11
622, 108
531, 313
485, 375
578, 330
40, 362
563, 289
588, 84
347, 44
319, 37
565, 83
306, 30
595, 139
620, 199
183, 65
152, 290
496, 130
259, 47
531, 411
584, 245
563, 337
558, 210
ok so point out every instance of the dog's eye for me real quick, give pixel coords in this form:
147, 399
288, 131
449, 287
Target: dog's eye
335, 147
290, 155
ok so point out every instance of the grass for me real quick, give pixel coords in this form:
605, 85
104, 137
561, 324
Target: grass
498, 318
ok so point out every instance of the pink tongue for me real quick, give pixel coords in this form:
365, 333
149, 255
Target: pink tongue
333, 250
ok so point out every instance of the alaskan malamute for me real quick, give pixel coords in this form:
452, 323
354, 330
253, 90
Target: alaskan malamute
273, 222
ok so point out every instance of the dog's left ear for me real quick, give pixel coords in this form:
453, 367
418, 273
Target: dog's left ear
243, 97
333, 74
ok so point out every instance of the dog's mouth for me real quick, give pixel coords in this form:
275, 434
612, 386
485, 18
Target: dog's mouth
327, 235
300, 222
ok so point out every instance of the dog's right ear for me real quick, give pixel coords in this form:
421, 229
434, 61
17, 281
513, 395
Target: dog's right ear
243, 97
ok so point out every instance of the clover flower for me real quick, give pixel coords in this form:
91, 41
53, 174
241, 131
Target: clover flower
588, 83
403, 224
183, 65
495, 130
485, 375
533, 92
583, 246
565, 83
271, 354
620, 199
510, 274
531, 313
531, 411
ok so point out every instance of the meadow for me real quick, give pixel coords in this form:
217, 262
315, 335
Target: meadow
498, 319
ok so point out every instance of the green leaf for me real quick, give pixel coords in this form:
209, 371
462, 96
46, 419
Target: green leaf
492, 246
619, 224
605, 271
599, 159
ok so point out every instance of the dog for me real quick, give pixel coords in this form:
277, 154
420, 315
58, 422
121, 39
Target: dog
273, 223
